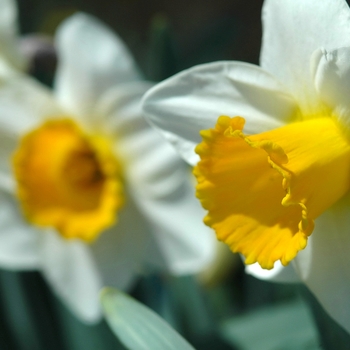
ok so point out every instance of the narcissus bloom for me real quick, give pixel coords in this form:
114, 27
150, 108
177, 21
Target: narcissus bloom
270, 145
90, 194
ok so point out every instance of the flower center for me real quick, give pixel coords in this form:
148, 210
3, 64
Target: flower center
263, 192
68, 180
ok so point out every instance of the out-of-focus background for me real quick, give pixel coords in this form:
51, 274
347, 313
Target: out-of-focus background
199, 31
223, 308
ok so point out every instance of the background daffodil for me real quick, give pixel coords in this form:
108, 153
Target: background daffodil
90, 194
273, 157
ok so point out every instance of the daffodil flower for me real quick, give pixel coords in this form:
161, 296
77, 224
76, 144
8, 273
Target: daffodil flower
270, 145
90, 194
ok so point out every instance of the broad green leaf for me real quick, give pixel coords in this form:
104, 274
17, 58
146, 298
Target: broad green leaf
138, 327
286, 326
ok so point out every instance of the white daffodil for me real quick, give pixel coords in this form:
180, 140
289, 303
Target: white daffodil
273, 164
90, 194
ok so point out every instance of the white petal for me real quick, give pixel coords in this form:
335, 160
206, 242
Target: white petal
151, 166
193, 100
92, 59
332, 80
280, 273
158, 180
324, 264
9, 41
7, 71
18, 239
8, 17
120, 253
292, 31
120, 108
156, 170
24, 103
70, 270
187, 245
7, 182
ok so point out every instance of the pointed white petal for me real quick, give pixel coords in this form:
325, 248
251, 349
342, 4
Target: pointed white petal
324, 264
280, 273
120, 253
332, 80
92, 59
70, 270
18, 239
8, 17
151, 166
120, 108
292, 31
187, 245
157, 178
9, 41
24, 103
193, 100
7, 71
154, 169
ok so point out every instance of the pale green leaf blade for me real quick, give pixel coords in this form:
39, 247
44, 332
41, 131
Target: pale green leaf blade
138, 327
286, 326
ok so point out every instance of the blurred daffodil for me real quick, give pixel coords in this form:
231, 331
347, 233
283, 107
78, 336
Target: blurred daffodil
90, 194
273, 164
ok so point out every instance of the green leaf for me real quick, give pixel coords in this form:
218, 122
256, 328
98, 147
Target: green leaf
286, 326
138, 327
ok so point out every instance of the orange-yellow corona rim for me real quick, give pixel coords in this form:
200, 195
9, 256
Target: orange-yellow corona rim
263, 192
68, 180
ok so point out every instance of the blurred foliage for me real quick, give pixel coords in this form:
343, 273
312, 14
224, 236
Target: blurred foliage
220, 30
32, 318
285, 325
